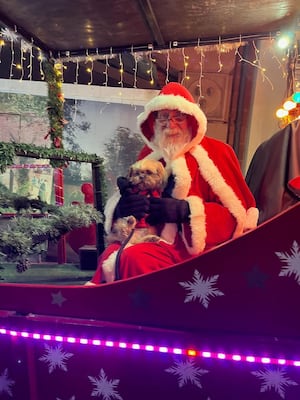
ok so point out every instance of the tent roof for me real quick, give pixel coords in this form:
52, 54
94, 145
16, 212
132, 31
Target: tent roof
77, 26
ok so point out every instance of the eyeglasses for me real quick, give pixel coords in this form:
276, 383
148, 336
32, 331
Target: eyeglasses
165, 117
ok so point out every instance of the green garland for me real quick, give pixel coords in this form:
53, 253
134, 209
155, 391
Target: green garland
53, 76
8, 150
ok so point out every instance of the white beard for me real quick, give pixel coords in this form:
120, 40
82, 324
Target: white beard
171, 141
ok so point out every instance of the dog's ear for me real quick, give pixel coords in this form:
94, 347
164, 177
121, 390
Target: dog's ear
161, 173
130, 171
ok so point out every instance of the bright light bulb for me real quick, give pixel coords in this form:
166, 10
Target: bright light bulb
289, 105
284, 41
281, 113
296, 97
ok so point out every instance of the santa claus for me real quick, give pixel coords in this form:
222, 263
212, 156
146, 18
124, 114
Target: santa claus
206, 200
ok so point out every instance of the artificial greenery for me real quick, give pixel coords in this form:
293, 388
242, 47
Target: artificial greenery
8, 150
53, 76
25, 234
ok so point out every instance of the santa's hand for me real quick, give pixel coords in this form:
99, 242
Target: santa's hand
167, 210
123, 185
132, 204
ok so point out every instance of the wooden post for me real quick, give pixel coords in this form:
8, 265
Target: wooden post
59, 201
98, 183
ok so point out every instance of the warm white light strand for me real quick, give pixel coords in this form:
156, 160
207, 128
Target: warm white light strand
185, 64
77, 71
30, 62
90, 69
255, 64
121, 70
135, 68
41, 59
12, 64
152, 60
105, 72
219, 47
22, 58
200, 73
167, 67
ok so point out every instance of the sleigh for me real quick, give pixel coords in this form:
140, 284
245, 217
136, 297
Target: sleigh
221, 325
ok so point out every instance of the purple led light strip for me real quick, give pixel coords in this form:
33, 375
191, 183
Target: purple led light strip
149, 347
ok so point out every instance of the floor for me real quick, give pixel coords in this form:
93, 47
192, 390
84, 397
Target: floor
45, 273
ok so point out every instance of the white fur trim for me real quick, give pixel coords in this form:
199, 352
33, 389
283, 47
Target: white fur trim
172, 102
251, 218
182, 177
197, 225
109, 211
229, 199
109, 267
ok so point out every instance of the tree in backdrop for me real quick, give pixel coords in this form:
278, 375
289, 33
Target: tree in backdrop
119, 153
76, 122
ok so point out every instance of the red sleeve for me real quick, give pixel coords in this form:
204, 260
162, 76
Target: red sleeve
97, 277
220, 224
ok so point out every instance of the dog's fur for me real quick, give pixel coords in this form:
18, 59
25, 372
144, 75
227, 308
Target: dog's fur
146, 177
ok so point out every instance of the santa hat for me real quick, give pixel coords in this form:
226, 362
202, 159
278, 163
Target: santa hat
173, 96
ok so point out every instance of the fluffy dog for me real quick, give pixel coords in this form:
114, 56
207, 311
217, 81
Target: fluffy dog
147, 177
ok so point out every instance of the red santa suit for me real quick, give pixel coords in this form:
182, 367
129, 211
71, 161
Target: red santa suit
207, 175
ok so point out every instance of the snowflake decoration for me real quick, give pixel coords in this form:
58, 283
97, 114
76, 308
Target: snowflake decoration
104, 387
274, 378
187, 371
6, 383
292, 262
55, 357
7, 34
58, 299
201, 288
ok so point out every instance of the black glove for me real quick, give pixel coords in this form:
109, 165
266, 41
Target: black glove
129, 203
168, 210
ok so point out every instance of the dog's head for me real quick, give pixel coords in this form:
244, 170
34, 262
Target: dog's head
121, 229
147, 174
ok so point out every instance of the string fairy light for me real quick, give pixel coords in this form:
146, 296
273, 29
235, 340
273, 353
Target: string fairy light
77, 71
185, 65
219, 55
135, 68
30, 61
201, 53
167, 66
89, 69
256, 63
41, 59
152, 60
12, 64
23, 50
105, 72
121, 70
2, 43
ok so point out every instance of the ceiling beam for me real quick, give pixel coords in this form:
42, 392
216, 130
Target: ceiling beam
151, 21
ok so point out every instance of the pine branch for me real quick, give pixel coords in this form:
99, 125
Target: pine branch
25, 235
